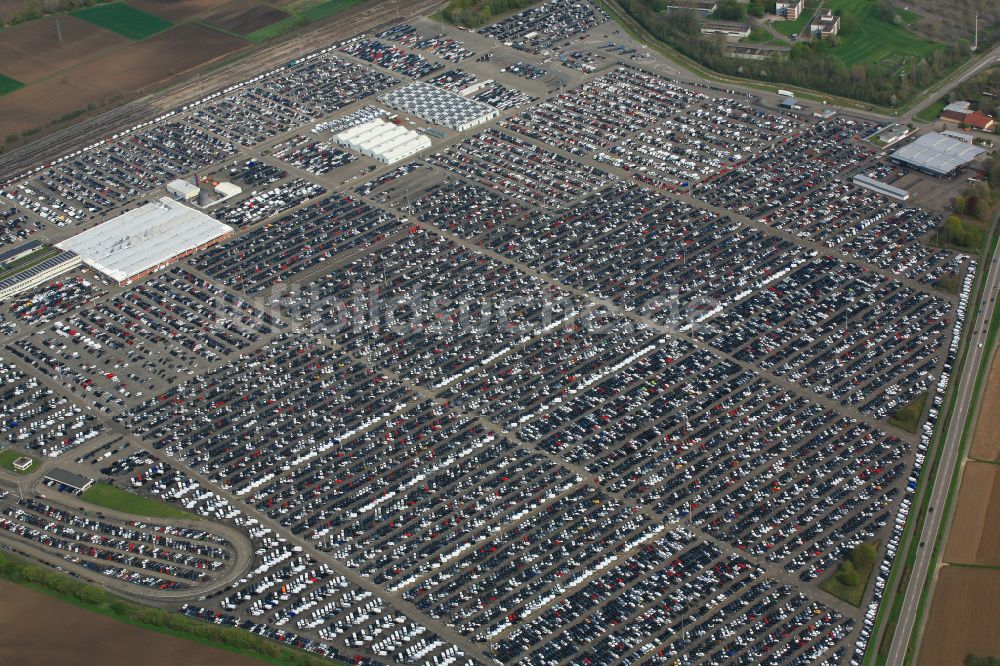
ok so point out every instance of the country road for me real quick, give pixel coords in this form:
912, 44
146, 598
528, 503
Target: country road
942, 88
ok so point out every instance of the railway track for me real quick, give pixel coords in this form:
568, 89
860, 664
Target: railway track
198, 83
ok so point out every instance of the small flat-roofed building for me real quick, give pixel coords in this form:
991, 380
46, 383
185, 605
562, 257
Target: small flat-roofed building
790, 103
702, 6
728, 29
936, 154
145, 239
182, 190
23, 464
825, 24
68, 480
884, 189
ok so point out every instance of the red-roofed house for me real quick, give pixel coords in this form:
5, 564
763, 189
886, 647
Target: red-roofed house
979, 120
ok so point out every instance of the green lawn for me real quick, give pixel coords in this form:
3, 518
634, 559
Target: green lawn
126, 21
7, 458
112, 497
8, 84
931, 112
908, 416
315, 13
789, 28
761, 36
875, 40
861, 562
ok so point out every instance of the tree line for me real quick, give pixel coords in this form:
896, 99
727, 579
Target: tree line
476, 13
809, 65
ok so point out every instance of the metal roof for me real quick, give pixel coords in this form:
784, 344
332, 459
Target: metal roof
144, 238
937, 153
437, 105
22, 276
68, 478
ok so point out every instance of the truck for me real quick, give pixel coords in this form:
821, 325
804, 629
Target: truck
786, 93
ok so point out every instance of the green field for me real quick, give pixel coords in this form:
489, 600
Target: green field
112, 497
760, 36
8, 84
789, 28
126, 21
875, 40
7, 458
315, 13
930, 112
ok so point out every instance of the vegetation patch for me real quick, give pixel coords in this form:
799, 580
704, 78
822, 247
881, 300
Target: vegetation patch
126, 21
8, 84
117, 499
870, 33
908, 416
477, 13
851, 579
931, 112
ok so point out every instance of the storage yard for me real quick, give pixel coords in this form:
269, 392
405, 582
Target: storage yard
597, 368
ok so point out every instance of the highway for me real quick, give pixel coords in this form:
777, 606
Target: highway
979, 323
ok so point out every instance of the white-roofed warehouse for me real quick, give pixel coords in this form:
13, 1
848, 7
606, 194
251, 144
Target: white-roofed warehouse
937, 154
146, 239
383, 141
437, 105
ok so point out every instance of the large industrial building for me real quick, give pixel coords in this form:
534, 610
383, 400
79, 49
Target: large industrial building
437, 105
40, 273
384, 141
937, 154
146, 239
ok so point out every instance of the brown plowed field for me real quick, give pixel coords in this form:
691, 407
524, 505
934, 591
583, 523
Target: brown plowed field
986, 443
122, 71
965, 617
29, 620
176, 11
242, 19
36, 53
974, 537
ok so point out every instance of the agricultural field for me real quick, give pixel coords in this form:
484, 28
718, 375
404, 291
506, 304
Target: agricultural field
177, 10
962, 620
123, 19
31, 51
8, 84
874, 40
244, 18
314, 13
973, 539
102, 75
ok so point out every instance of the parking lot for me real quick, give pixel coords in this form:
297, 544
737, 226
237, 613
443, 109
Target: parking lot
607, 379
